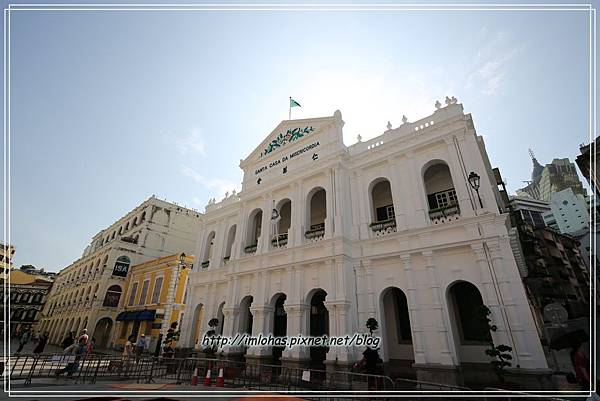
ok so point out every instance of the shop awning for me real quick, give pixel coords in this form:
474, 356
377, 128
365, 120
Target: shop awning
126, 316
146, 315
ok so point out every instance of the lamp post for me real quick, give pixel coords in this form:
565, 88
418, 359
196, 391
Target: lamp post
474, 181
181, 265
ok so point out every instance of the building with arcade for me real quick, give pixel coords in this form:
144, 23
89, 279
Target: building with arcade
324, 236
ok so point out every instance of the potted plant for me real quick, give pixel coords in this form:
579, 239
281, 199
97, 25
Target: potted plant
211, 349
500, 354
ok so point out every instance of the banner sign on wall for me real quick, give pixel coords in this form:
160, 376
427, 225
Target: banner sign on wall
121, 267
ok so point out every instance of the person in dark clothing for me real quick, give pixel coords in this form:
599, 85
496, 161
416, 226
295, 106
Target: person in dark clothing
68, 341
75, 351
371, 361
24, 339
581, 366
39, 348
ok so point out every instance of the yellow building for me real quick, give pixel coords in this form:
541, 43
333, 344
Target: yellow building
153, 300
6, 254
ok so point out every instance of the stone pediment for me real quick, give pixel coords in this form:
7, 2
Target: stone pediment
287, 133
293, 145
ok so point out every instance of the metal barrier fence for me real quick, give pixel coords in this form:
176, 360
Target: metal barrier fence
226, 373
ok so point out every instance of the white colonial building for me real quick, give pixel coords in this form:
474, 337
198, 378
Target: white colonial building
389, 228
88, 292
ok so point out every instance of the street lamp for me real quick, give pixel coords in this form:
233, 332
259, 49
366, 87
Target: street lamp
474, 181
182, 265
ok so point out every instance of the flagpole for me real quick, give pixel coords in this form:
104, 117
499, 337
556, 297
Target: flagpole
290, 113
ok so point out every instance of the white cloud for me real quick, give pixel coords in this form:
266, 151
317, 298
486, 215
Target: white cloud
217, 186
192, 143
489, 68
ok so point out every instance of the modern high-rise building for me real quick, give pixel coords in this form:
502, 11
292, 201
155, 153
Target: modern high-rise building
404, 228
587, 164
569, 212
88, 292
556, 176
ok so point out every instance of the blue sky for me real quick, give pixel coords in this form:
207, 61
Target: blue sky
108, 108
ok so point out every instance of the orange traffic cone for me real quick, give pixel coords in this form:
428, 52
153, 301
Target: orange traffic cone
207, 379
195, 377
221, 379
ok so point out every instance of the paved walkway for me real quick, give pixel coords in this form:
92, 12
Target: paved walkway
49, 349
48, 389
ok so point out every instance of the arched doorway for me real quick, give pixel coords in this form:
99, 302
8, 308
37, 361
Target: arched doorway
245, 316
279, 324
396, 332
318, 326
102, 332
468, 320
196, 330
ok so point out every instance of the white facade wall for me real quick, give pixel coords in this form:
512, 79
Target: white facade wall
353, 264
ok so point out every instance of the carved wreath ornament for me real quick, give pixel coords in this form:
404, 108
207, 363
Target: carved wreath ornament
290, 136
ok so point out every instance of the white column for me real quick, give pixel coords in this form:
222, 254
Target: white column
460, 181
260, 321
416, 193
264, 241
329, 199
418, 333
440, 324
527, 347
490, 297
395, 185
297, 323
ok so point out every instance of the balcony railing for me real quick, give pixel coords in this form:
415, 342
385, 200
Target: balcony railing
445, 213
316, 232
384, 226
280, 241
251, 248
205, 264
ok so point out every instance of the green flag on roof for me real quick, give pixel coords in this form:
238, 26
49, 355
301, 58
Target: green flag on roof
294, 103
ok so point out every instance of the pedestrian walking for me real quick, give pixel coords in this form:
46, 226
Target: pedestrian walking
24, 339
581, 366
84, 336
69, 340
90, 346
74, 352
371, 361
127, 353
39, 348
140, 345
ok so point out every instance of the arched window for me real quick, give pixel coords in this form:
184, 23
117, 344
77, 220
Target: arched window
143, 217
468, 312
382, 206
208, 249
317, 213
284, 214
441, 195
113, 294
127, 226
254, 230
230, 240
134, 222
